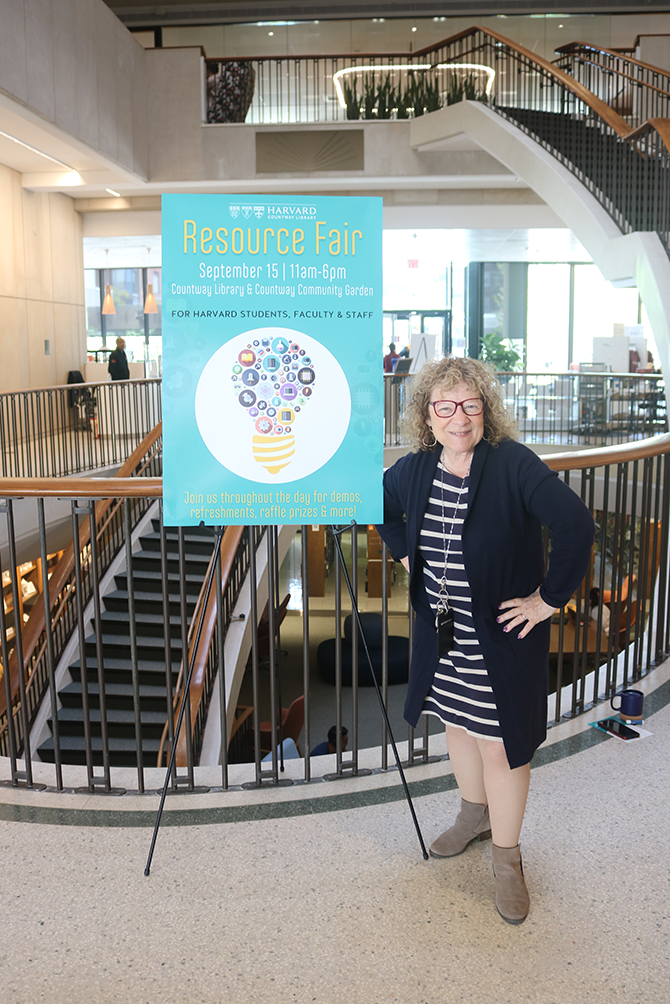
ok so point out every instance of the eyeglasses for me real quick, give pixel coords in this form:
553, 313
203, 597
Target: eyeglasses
447, 409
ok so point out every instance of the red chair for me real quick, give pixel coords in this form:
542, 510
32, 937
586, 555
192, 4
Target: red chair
611, 599
264, 625
293, 719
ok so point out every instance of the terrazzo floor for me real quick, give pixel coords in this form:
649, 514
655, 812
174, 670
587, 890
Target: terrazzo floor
340, 906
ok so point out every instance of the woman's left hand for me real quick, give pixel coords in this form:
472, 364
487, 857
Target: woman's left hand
525, 610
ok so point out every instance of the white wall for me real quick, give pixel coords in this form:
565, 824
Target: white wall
75, 65
41, 286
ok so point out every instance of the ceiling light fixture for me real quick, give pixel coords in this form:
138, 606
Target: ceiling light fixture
150, 301
112, 192
33, 149
108, 303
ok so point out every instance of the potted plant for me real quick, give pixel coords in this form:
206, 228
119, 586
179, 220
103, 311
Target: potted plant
496, 351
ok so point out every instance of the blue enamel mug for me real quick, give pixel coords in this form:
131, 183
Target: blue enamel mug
631, 703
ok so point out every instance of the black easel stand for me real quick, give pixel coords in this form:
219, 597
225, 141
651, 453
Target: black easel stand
173, 752
336, 534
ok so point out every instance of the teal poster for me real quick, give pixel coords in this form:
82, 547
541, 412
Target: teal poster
272, 359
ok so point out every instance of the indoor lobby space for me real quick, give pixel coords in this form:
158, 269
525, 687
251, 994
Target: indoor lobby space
181, 672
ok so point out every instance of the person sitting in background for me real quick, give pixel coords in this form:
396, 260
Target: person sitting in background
331, 745
594, 604
391, 359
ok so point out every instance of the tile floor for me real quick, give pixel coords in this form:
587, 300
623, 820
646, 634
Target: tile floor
320, 893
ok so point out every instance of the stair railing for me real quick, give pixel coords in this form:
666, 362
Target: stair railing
232, 568
636, 90
627, 170
41, 641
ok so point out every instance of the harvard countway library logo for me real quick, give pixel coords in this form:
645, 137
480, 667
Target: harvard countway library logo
274, 212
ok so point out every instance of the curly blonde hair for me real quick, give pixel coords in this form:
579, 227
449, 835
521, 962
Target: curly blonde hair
446, 374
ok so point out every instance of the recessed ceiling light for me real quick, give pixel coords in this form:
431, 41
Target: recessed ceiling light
271, 33
34, 149
413, 29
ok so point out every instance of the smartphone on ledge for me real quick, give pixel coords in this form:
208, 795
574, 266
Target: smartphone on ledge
618, 729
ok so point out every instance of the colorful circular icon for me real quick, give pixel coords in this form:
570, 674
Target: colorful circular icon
247, 357
275, 374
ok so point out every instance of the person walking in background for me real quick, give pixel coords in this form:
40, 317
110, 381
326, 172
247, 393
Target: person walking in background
390, 359
118, 363
464, 514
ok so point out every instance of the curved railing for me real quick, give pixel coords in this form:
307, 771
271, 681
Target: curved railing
627, 170
635, 90
570, 408
228, 574
596, 647
72, 581
61, 431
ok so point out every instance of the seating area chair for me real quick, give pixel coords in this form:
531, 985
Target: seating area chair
264, 625
293, 719
372, 624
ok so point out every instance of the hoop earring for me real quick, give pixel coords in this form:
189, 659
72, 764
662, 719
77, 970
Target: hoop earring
429, 446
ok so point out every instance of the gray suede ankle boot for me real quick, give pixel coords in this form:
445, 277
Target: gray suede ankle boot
512, 900
472, 823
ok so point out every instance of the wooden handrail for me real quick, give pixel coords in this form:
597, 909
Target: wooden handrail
570, 49
229, 545
601, 108
625, 76
81, 488
78, 386
121, 486
607, 455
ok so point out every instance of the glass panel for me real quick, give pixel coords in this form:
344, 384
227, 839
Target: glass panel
93, 316
598, 307
415, 269
548, 318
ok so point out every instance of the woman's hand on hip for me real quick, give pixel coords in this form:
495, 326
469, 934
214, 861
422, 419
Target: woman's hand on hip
525, 612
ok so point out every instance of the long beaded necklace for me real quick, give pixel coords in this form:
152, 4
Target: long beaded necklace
443, 595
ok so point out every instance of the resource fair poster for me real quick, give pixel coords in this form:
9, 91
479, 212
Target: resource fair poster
272, 359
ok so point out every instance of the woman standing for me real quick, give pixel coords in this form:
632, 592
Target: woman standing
464, 514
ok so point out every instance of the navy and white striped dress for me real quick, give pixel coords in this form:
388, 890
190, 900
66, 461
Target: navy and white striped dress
461, 694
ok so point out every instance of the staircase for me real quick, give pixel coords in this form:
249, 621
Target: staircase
118, 683
602, 160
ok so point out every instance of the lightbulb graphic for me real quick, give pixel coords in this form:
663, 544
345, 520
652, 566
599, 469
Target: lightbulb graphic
273, 379
250, 405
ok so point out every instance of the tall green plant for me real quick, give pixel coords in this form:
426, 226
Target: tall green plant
385, 98
351, 99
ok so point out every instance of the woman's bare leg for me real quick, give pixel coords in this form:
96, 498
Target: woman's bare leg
507, 792
466, 759
484, 777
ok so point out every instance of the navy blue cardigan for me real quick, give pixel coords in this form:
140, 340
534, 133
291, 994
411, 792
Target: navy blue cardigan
512, 493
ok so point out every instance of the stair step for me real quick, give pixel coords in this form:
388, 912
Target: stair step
120, 722
152, 582
195, 544
116, 622
147, 602
121, 751
118, 696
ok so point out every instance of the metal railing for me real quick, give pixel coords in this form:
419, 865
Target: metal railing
635, 90
571, 408
627, 171
74, 428
626, 487
100, 528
